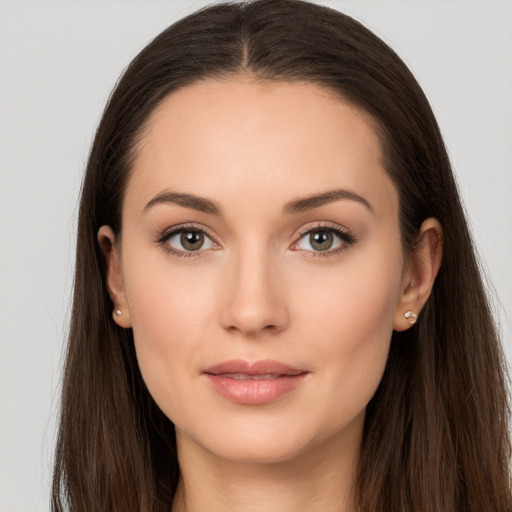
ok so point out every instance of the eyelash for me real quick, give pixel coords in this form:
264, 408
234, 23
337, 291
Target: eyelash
345, 235
169, 233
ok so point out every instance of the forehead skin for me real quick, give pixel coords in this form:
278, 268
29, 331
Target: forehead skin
259, 136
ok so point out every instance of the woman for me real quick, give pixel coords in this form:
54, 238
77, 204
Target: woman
277, 304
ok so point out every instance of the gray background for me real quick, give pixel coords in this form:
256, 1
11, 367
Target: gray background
58, 63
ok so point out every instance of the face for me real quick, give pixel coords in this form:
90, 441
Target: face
260, 266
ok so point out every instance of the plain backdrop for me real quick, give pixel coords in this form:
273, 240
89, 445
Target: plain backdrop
58, 63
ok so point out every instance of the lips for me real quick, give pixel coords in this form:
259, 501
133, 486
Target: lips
243, 376
254, 383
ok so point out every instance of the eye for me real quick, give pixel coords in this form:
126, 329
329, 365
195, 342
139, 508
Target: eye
183, 240
326, 239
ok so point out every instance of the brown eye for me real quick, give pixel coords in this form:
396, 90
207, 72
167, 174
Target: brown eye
328, 240
187, 240
192, 240
321, 240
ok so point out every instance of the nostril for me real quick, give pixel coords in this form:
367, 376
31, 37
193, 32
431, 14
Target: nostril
250, 325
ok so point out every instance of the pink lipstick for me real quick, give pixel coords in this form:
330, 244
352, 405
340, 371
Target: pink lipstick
254, 383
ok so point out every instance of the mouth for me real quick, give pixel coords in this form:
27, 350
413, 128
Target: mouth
254, 383
244, 376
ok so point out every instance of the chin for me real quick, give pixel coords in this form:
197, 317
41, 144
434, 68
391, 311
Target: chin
264, 450
270, 441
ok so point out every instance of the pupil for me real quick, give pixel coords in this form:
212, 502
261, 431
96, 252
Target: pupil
321, 240
192, 240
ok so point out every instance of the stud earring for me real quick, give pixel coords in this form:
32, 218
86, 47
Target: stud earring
411, 316
116, 313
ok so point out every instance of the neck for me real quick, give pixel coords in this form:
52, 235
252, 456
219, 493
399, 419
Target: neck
322, 480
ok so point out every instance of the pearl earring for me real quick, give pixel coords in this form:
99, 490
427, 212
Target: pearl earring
411, 316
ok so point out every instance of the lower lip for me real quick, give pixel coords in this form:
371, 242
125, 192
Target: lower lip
254, 392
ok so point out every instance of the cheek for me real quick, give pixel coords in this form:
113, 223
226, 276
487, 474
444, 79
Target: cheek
165, 297
350, 323
356, 300
168, 312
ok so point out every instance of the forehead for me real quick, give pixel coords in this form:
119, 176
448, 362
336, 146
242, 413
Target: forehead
243, 137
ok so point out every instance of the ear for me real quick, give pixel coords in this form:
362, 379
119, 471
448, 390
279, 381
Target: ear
114, 277
424, 263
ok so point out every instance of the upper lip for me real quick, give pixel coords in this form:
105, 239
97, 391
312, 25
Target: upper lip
262, 367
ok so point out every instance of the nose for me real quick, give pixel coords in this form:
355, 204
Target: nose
254, 297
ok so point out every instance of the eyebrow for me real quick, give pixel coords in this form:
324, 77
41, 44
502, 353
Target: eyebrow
300, 205
187, 200
314, 201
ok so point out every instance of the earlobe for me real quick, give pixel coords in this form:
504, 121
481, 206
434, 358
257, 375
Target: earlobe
114, 276
424, 264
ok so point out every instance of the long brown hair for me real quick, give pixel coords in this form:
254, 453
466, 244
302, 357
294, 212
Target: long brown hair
436, 433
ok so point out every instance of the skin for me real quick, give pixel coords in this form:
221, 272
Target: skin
258, 289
